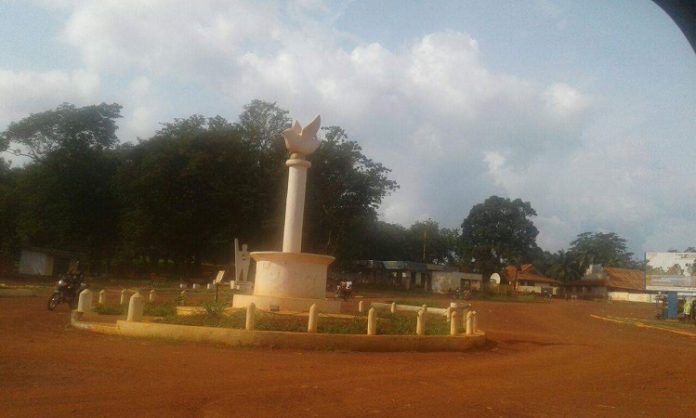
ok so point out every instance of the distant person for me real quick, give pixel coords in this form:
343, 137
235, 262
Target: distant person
688, 308
693, 309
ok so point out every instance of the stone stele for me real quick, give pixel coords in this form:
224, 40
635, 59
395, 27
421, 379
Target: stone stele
291, 279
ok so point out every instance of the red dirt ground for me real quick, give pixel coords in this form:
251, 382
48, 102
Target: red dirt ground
543, 360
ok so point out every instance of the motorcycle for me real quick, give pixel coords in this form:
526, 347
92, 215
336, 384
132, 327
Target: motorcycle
344, 291
67, 290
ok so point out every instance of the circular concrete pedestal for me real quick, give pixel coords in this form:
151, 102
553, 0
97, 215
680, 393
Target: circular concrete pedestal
291, 281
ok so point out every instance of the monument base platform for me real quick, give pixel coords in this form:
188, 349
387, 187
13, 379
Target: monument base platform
264, 302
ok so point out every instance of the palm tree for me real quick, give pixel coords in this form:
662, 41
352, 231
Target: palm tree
565, 267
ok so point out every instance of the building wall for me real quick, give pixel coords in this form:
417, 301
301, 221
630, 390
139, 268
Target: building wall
35, 263
631, 297
443, 281
536, 289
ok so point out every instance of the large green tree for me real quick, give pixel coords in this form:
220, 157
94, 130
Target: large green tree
344, 190
187, 192
66, 128
65, 195
9, 243
497, 232
608, 249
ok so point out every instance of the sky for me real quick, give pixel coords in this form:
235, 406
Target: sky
586, 109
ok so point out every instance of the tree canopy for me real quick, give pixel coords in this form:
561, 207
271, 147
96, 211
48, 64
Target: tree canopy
66, 128
497, 232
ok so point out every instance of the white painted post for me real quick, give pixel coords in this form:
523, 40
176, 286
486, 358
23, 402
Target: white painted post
195, 286
84, 303
454, 323
250, 317
393, 307
470, 323
102, 297
312, 320
135, 308
152, 296
123, 296
361, 306
420, 323
209, 286
183, 297
372, 322
474, 325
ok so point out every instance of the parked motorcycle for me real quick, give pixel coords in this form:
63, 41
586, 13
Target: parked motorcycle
67, 290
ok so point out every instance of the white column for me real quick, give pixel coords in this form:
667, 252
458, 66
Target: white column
312, 319
250, 317
294, 204
420, 322
454, 323
135, 308
372, 322
84, 301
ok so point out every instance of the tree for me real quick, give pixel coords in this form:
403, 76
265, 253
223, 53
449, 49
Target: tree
498, 232
564, 267
67, 127
344, 190
187, 193
608, 249
428, 243
9, 243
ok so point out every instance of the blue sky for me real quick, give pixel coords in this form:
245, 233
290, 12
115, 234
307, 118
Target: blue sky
585, 109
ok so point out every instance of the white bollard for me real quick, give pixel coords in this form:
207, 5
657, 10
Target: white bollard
182, 285
470, 323
102, 297
123, 296
312, 320
183, 297
474, 325
372, 322
420, 323
152, 296
135, 308
393, 307
209, 286
250, 317
454, 323
195, 286
361, 306
84, 302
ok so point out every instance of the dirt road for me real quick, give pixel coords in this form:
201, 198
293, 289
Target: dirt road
543, 359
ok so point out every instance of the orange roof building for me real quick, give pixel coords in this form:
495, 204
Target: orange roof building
598, 281
526, 279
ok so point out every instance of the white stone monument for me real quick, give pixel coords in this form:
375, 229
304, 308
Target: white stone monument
291, 279
241, 262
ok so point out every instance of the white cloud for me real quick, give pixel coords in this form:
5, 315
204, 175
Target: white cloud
452, 130
25, 92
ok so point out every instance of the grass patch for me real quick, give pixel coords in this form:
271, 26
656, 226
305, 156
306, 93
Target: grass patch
159, 309
111, 309
150, 309
522, 298
387, 323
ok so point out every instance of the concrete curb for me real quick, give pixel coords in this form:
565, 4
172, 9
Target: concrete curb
16, 292
642, 325
278, 339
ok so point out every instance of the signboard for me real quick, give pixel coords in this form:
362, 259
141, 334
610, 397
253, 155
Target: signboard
670, 272
219, 277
